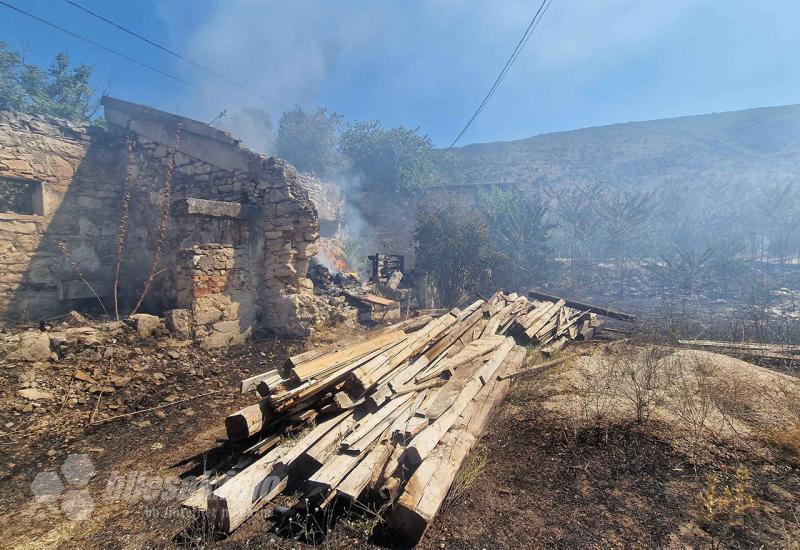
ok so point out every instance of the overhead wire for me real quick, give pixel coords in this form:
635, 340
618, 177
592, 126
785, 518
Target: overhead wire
177, 55
537, 17
116, 52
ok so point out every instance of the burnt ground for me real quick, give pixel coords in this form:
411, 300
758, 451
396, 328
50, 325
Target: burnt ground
548, 482
541, 480
160, 444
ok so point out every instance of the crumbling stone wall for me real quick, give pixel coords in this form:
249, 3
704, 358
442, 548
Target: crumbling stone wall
73, 170
214, 290
221, 197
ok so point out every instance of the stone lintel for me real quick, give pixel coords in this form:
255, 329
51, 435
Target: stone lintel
211, 209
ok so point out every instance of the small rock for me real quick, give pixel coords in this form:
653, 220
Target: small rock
52, 452
120, 381
141, 423
145, 324
173, 353
97, 388
84, 377
75, 319
32, 347
179, 322
33, 394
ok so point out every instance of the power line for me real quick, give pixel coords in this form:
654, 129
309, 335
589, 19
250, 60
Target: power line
177, 55
117, 53
92, 42
537, 17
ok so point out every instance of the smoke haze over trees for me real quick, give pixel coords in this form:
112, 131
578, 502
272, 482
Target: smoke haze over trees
62, 90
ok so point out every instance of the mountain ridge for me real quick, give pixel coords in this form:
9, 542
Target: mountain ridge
745, 147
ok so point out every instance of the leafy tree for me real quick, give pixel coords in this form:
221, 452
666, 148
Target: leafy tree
398, 159
575, 207
778, 206
623, 215
518, 227
62, 90
454, 249
308, 140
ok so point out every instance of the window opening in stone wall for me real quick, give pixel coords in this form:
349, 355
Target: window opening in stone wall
21, 196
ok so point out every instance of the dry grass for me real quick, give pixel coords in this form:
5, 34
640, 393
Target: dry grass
729, 503
471, 472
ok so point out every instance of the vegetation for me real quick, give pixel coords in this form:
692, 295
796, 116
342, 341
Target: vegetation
308, 140
454, 249
62, 90
520, 233
623, 216
397, 159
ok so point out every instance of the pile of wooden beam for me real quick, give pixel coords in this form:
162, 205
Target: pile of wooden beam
391, 416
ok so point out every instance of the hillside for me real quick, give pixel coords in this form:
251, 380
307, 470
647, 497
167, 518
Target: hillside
743, 148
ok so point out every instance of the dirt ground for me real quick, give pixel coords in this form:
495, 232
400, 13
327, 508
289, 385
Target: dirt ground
546, 474
553, 476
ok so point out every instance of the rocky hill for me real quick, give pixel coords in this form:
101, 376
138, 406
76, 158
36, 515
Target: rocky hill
740, 148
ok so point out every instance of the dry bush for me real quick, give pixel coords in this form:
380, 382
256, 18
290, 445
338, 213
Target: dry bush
597, 394
783, 404
731, 503
628, 376
641, 378
690, 398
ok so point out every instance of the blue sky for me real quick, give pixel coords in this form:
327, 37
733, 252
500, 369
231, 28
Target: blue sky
427, 64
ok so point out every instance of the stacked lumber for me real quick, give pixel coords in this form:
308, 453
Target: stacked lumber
390, 416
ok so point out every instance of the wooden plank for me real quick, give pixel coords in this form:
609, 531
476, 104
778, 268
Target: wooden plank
364, 426
249, 421
421, 446
336, 469
545, 316
375, 299
235, 501
406, 374
345, 355
410, 388
580, 305
471, 351
538, 366
358, 479
362, 379
249, 384
451, 389
427, 488
750, 346
326, 447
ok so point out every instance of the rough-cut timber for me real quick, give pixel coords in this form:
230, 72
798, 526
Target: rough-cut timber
415, 397
610, 313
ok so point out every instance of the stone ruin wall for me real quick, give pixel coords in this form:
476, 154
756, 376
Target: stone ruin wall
222, 198
74, 168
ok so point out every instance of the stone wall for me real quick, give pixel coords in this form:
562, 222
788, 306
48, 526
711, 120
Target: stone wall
219, 196
75, 169
215, 291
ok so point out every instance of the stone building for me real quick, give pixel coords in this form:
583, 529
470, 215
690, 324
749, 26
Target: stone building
233, 230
